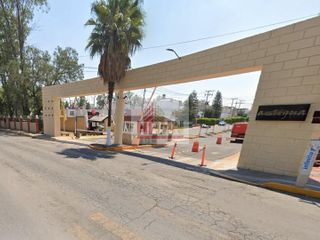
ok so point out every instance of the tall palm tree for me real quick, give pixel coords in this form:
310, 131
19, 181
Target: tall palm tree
116, 35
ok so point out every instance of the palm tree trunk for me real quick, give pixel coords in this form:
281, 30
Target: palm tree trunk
110, 98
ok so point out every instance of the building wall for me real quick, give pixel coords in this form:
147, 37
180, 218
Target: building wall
167, 107
68, 124
289, 61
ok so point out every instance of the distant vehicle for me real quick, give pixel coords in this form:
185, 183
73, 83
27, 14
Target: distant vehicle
238, 131
204, 126
222, 123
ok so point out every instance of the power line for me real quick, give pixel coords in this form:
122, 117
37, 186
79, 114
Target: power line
225, 34
229, 33
174, 92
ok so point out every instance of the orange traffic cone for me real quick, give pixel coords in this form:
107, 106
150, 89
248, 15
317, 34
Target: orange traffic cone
203, 156
219, 139
195, 147
173, 150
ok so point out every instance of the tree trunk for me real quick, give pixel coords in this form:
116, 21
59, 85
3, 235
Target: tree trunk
110, 98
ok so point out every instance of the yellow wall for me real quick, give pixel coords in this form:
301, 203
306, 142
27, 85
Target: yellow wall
68, 124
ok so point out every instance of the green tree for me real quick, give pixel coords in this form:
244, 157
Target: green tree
41, 71
208, 112
81, 102
15, 20
88, 105
24, 69
116, 35
66, 104
190, 109
1, 101
38, 71
101, 101
193, 106
217, 105
66, 66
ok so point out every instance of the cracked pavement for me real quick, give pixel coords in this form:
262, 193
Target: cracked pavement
52, 190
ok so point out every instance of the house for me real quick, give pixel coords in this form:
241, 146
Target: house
168, 107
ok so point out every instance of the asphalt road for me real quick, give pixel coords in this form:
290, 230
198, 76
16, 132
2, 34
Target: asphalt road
51, 190
214, 152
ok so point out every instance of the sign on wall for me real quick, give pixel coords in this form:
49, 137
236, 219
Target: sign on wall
316, 117
292, 112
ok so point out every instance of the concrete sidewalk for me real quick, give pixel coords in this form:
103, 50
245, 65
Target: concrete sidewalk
227, 168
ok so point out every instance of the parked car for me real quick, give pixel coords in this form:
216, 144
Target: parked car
222, 123
238, 131
204, 126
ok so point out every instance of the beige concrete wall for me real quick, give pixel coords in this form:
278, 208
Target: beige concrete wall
289, 59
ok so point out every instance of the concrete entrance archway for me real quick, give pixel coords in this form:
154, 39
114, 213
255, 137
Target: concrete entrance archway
289, 61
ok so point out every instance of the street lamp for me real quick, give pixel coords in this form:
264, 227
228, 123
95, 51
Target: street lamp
171, 50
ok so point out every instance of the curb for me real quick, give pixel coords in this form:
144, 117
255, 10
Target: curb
292, 189
267, 185
100, 147
273, 186
21, 133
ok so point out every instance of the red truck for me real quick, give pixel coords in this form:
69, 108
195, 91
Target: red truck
238, 131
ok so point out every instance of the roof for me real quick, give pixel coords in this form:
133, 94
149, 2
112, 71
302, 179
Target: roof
156, 118
98, 118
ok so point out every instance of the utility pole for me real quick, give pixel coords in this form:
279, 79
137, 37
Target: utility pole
231, 108
208, 93
240, 103
143, 100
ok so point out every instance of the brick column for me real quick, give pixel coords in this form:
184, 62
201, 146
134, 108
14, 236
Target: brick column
15, 123
20, 121
28, 123
8, 122
37, 124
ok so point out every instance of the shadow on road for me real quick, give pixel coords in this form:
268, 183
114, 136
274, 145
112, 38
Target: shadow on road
211, 172
86, 153
168, 162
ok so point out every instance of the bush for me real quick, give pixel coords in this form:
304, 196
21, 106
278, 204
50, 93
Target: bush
214, 121
208, 121
232, 120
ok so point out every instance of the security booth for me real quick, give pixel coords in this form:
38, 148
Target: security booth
147, 130
97, 123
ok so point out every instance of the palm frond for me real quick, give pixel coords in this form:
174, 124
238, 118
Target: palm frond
117, 34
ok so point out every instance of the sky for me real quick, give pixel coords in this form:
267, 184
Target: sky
172, 21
